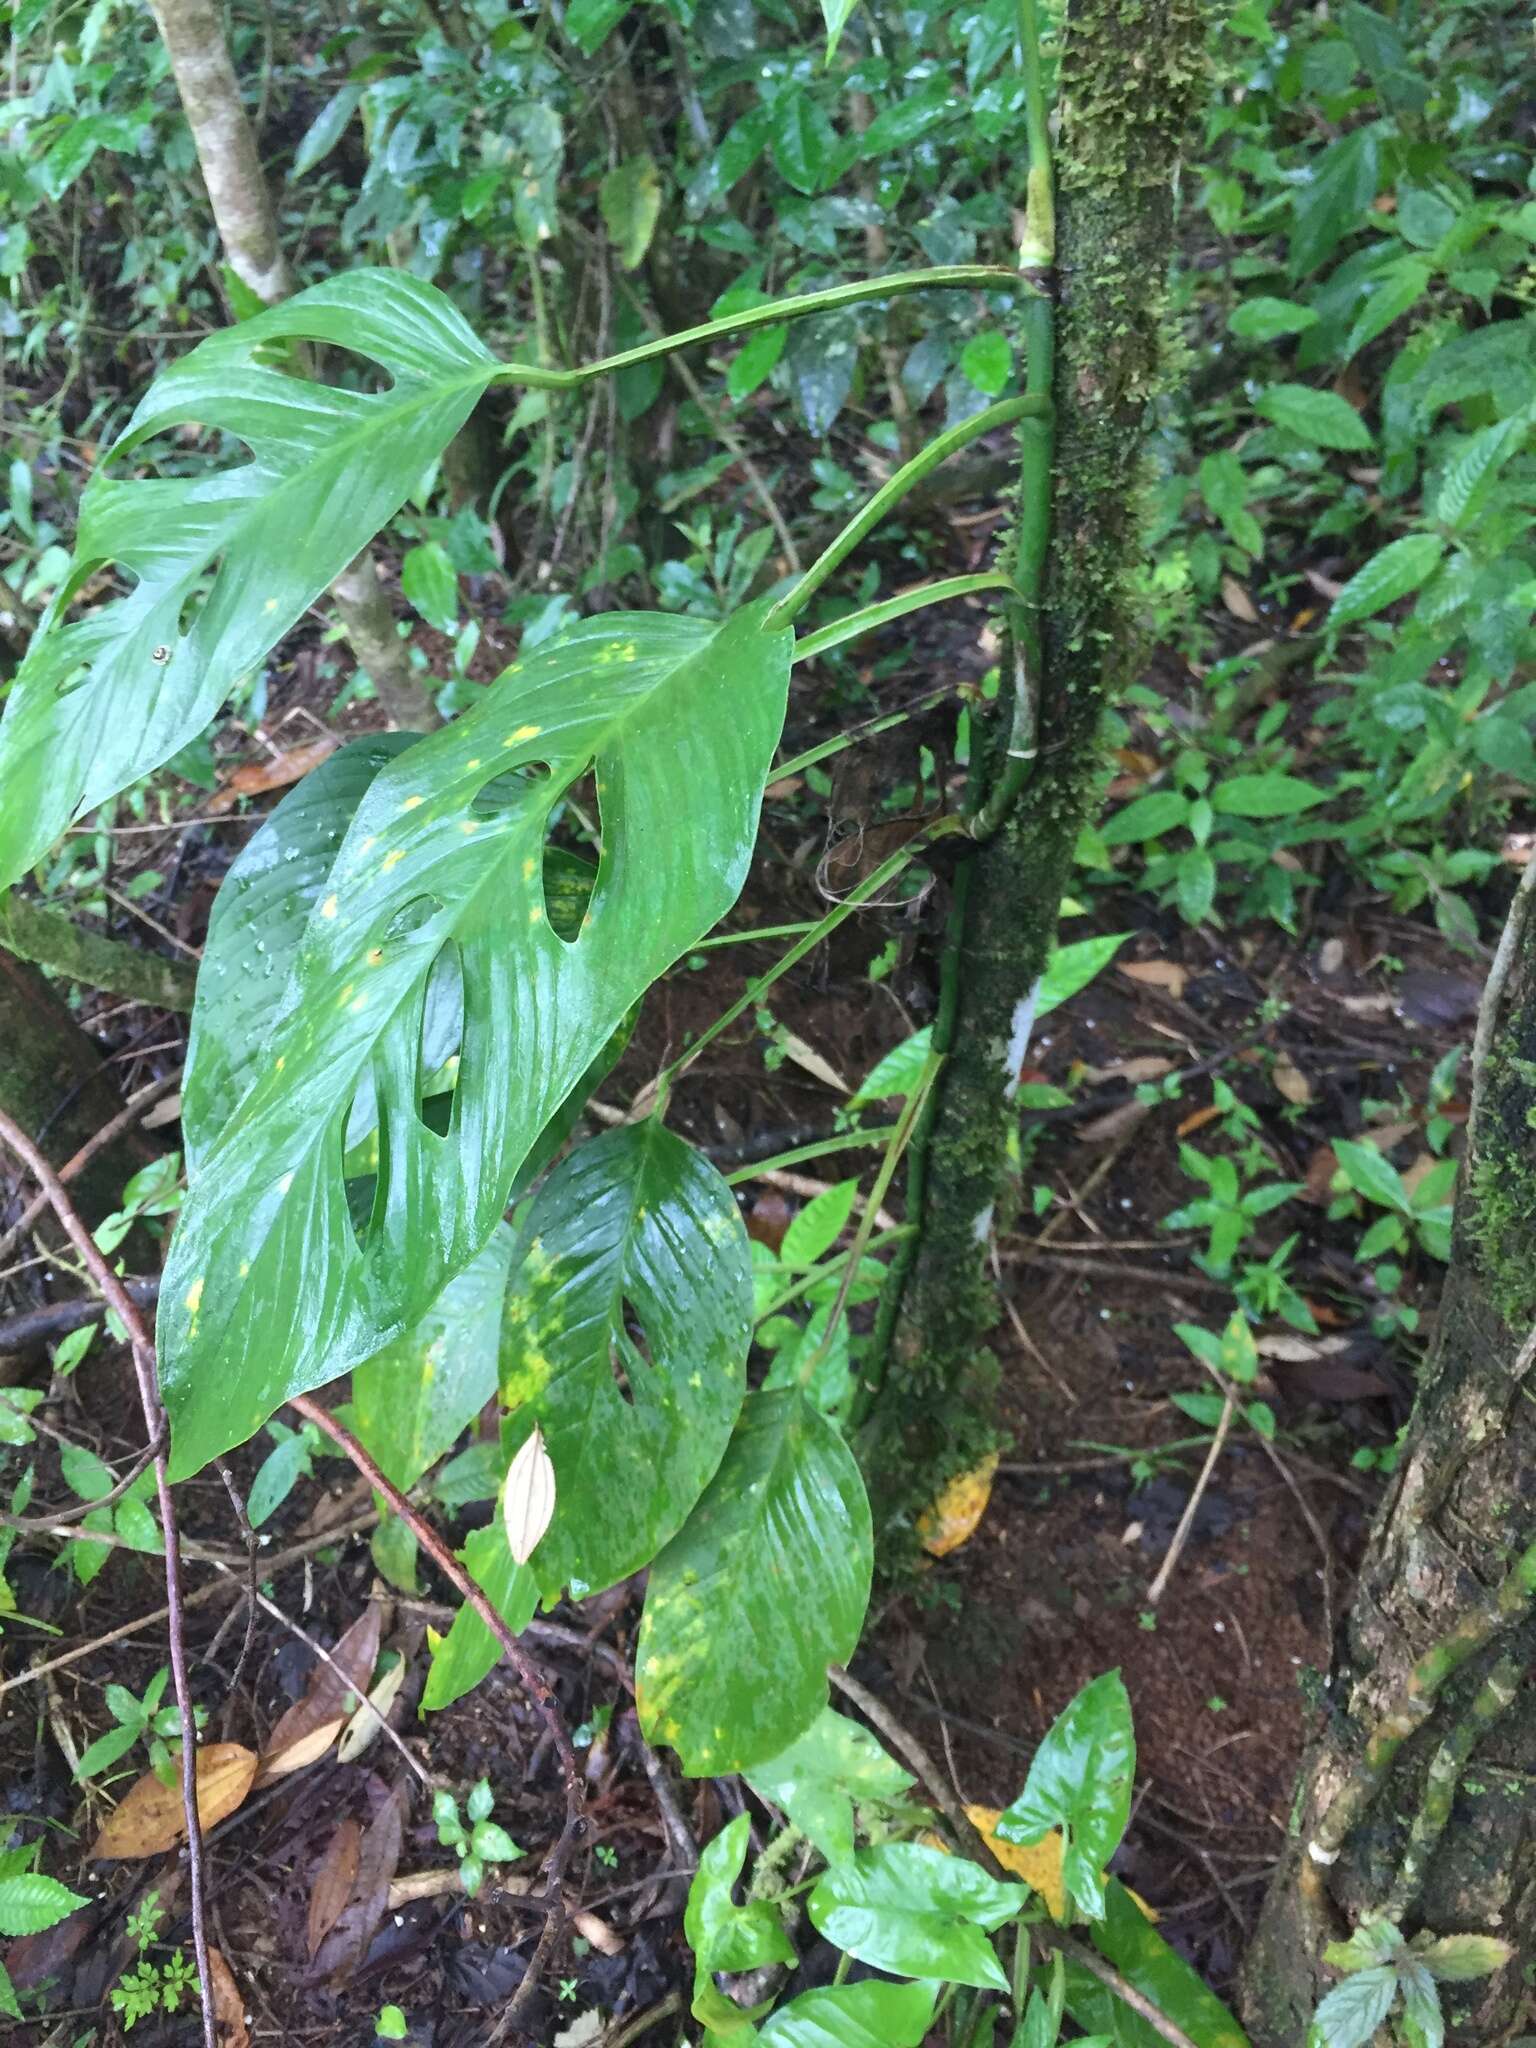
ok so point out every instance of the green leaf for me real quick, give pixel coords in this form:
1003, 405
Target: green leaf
765, 1585
1070, 969
629, 199
897, 1073
987, 361
836, 14
1319, 417
279, 1472
817, 1227
632, 1258
1195, 884
1336, 198
1465, 484
1369, 1174
754, 361
30, 1902
1421, 2021
916, 1912
723, 1935
1381, 49
105, 1750
1392, 572
1146, 817
1081, 1780
431, 583
869, 2015
1352, 2011
1263, 319
589, 23
804, 144
271, 1287
1126, 1938
102, 700
820, 1776
1393, 292
391, 2024
326, 130
84, 1473
469, 1650
1265, 796
411, 1400
1459, 1958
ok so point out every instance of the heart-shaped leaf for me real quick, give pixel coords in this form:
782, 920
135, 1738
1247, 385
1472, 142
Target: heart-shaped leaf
627, 1322
272, 1288
916, 1912
225, 562
820, 1775
1081, 1781
764, 1586
866, 2015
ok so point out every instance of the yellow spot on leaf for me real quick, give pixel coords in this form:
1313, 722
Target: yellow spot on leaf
370, 841
375, 955
329, 907
245, 1267
530, 867
473, 764
526, 732
411, 803
952, 1519
280, 1062
536, 915
270, 605
469, 825
195, 1296
392, 860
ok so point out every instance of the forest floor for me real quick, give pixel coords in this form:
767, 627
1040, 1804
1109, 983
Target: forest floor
978, 1656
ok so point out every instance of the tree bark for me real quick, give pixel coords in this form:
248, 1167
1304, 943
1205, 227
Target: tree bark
193, 34
1460, 1513
1132, 73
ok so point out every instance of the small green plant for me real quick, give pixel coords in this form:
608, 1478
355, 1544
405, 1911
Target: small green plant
477, 1840
390, 2024
1228, 1211
1416, 1216
139, 1718
1263, 1290
1392, 1982
1232, 1360
29, 1904
151, 1986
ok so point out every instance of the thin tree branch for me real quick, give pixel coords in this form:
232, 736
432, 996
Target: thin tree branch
142, 1349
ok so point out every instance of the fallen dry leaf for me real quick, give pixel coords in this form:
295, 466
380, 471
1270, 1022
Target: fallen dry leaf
334, 1879
254, 778
1167, 975
952, 1519
313, 1723
228, 2005
810, 1060
150, 1819
1291, 1081
1149, 1066
1038, 1863
365, 1724
1238, 602
345, 1946
1199, 1118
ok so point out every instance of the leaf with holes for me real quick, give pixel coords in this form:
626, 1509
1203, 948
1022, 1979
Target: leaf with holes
224, 562
626, 1346
272, 1287
764, 1586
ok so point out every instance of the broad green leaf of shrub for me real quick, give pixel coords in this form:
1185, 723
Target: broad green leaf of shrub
1393, 572
629, 199
1265, 796
764, 1586
1336, 198
223, 564
1070, 969
1352, 2011
469, 1650
868, 2015
1370, 1174
1321, 417
1080, 1781
1126, 1938
411, 1400
822, 1773
723, 1935
632, 1258
817, 1227
272, 1288
30, 1902
1266, 319
917, 1912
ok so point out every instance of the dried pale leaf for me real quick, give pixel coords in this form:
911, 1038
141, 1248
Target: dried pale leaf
528, 1500
345, 1946
312, 1724
364, 1725
1038, 1863
1238, 602
1291, 1081
254, 778
228, 2005
1114, 1123
150, 1819
166, 1111
953, 1517
1149, 1066
334, 1879
1199, 1118
810, 1059
1167, 975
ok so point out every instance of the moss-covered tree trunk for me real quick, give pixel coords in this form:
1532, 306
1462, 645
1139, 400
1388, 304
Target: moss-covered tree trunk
1460, 1514
1131, 76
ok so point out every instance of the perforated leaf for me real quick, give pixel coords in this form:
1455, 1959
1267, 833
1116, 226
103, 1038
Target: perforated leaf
272, 1288
632, 1267
764, 1586
246, 546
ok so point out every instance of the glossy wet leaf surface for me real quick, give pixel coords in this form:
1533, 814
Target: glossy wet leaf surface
822, 1773
917, 1912
1081, 1781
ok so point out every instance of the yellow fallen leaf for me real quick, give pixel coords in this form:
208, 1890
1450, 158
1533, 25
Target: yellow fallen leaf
150, 1819
1038, 1863
952, 1519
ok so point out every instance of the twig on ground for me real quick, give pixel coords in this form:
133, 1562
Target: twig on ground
237, 1502
1159, 1585
142, 1351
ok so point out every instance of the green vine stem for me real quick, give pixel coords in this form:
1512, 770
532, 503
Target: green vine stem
1412, 1708
889, 608
1496, 1694
891, 493
819, 1148
947, 277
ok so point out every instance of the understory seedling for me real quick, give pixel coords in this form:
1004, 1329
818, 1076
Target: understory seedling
478, 1841
150, 1985
30, 1903
140, 1719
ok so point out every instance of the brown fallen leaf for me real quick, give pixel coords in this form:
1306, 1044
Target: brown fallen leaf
1167, 975
1238, 602
150, 1819
1291, 1081
363, 1728
228, 2005
345, 1946
255, 778
334, 1879
312, 1724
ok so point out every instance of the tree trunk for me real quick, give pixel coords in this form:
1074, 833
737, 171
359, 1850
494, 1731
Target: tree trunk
1452, 1551
193, 34
1132, 73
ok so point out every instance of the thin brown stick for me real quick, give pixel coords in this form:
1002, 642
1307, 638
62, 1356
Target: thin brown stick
142, 1350
1159, 1585
51, 1525
237, 1502
141, 1100
216, 1589
58, 1318
1124, 1990
531, 1675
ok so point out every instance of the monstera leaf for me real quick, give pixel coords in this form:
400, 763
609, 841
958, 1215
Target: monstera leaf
272, 1288
223, 564
763, 1587
625, 1339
